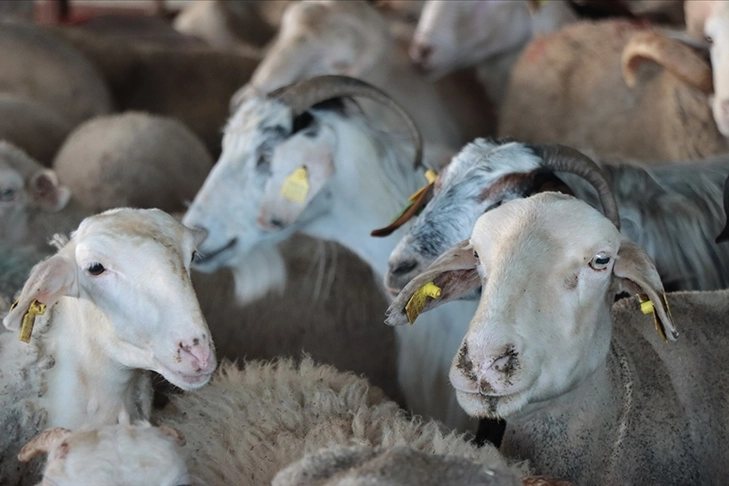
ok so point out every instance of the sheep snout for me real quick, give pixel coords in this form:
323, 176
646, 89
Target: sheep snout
486, 373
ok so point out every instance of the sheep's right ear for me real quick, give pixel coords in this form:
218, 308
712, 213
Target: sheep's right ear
46, 192
49, 280
42, 443
450, 277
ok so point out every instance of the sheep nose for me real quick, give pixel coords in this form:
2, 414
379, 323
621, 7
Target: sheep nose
197, 353
403, 268
270, 223
421, 53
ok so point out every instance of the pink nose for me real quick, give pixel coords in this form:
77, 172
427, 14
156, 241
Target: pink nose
421, 54
197, 354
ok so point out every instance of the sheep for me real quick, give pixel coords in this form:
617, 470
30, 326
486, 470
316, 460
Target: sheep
341, 176
589, 391
351, 38
132, 159
43, 68
148, 78
568, 88
253, 422
104, 320
396, 466
122, 454
673, 211
34, 127
490, 34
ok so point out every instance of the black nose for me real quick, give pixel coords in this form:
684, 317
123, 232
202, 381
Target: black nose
403, 268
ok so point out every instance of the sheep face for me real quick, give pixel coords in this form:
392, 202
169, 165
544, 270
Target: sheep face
716, 31
549, 266
118, 455
323, 37
25, 186
128, 273
272, 169
454, 35
482, 176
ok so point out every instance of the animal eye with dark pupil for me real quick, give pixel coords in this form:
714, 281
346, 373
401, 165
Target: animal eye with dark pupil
602, 261
96, 269
7, 194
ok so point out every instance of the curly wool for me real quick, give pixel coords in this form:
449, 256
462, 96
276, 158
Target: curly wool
251, 423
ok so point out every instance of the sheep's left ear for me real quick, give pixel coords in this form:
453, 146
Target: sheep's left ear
637, 274
46, 193
42, 443
450, 277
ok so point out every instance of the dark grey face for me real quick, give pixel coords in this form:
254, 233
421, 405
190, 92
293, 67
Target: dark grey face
481, 177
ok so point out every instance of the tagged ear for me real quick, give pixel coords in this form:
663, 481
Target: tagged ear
450, 277
42, 443
174, 434
46, 192
49, 281
638, 275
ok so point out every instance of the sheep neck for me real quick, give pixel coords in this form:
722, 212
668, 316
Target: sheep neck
86, 385
371, 185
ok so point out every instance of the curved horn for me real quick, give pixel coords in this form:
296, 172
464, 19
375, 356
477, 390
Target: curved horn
303, 95
676, 57
561, 158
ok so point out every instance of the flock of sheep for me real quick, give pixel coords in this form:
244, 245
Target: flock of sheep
554, 171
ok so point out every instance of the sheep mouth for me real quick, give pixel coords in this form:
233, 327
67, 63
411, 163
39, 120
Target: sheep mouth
184, 380
204, 257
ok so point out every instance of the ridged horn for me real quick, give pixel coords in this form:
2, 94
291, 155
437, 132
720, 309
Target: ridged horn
303, 95
561, 158
676, 57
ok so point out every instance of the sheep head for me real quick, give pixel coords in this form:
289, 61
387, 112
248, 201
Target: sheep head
127, 271
129, 455
549, 267
25, 186
484, 175
276, 166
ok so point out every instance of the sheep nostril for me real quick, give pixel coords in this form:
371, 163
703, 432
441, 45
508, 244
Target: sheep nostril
404, 267
421, 54
277, 223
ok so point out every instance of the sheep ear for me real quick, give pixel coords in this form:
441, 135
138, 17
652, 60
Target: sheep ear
46, 193
637, 274
49, 280
42, 443
525, 184
453, 275
174, 434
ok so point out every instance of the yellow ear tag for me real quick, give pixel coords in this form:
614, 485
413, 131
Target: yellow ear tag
646, 306
296, 186
416, 304
26, 329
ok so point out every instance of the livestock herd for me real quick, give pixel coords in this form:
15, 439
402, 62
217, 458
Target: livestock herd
540, 188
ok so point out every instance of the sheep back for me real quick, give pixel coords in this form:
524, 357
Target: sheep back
133, 159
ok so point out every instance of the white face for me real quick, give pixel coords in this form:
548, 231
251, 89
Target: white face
455, 35
131, 268
533, 338
115, 456
716, 30
240, 204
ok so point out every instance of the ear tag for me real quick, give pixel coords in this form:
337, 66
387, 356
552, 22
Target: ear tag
430, 176
26, 329
647, 307
296, 186
416, 304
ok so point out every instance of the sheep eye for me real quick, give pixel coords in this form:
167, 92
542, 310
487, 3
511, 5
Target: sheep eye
7, 194
599, 262
194, 255
709, 39
96, 269
263, 160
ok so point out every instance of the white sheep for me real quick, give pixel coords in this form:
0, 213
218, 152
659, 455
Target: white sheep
40, 67
116, 299
353, 39
673, 211
123, 455
568, 88
589, 390
487, 33
252, 422
342, 176
132, 159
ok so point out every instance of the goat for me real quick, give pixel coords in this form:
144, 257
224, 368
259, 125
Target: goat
589, 392
338, 176
673, 211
